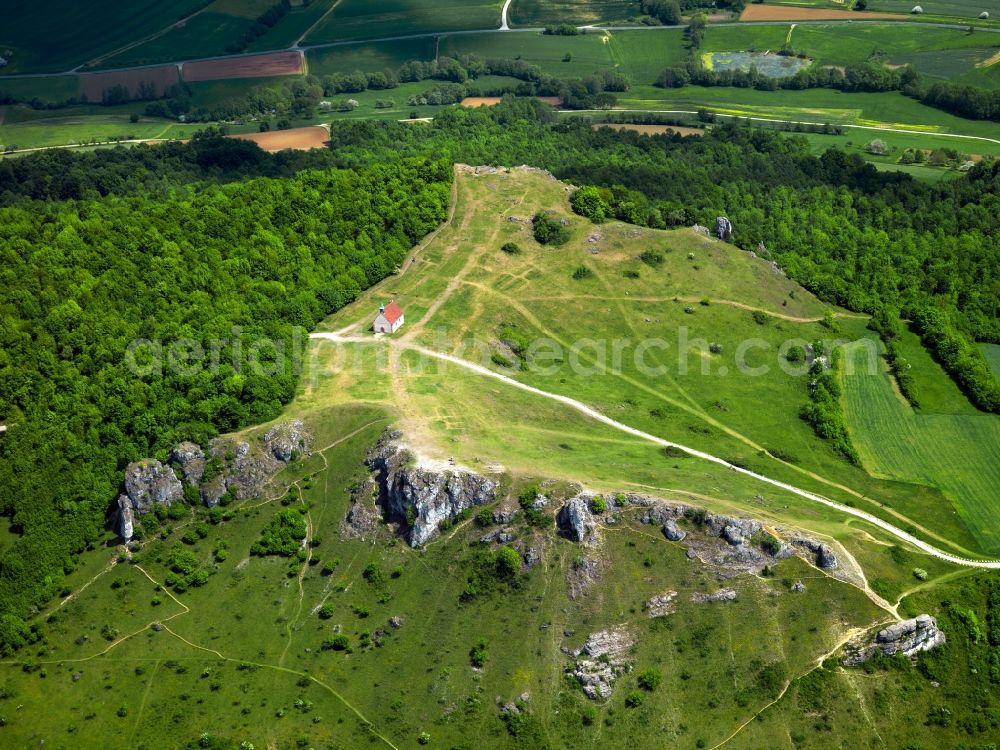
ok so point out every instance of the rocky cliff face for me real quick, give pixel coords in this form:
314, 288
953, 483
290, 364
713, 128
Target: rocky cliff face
908, 637
420, 499
238, 467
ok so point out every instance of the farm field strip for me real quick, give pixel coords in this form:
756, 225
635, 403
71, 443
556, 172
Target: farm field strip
959, 454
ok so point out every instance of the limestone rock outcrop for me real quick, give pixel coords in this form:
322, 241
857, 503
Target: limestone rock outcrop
125, 524
574, 518
289, 439
421, 499
149, 482
601, 661
234, 466
908, 637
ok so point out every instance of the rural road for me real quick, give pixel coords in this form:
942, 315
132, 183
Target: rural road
504, 26
785, 122
596, 415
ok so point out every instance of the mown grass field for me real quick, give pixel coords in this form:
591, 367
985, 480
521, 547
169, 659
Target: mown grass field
958, 453
357, 19
369, 57
58, 35
577, 12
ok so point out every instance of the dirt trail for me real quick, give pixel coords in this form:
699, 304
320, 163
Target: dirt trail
604, 419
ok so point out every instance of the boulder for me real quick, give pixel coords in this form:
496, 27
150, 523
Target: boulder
531, 557
150, 482
124, 525
798, 587
825, 558
672, 532
574, 518
723, 228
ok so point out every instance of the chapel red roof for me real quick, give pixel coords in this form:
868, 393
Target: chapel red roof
392, 313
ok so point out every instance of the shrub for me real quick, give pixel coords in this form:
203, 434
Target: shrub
634, 699
373, 574
582, 272
326, 611
329, 566
511, 248
549, 231
478, 654
484, 517
920, 574
650, 679
598, 505
651, 258
282, 536
339, 642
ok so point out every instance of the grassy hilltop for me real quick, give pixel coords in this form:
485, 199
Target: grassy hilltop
297, 651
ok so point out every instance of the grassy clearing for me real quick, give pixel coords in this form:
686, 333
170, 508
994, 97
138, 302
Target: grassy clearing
356, 19
955, 452
47, 88
992, 352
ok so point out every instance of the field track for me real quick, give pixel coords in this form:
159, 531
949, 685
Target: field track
288, 63
785, 13
93, 85
296, 138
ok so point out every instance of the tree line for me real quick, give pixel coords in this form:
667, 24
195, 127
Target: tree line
233, 267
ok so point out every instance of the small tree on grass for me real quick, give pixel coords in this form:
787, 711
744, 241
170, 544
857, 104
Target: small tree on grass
549, 231
650, 679
478, 654
877, 147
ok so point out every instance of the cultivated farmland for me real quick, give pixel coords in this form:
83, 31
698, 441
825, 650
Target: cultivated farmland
57, 35
94, 86
958, 454
579, 12
257, 66
788, 13
359, 19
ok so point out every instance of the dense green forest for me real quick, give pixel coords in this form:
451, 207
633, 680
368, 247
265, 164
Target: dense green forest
188, 241
857, 237
236, 263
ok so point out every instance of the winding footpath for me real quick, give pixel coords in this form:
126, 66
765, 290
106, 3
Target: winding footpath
598, 416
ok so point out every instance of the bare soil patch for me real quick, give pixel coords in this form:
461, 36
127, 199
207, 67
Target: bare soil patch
93, 85
652, 129
289, 63
297, 138
785, 13
492, 101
